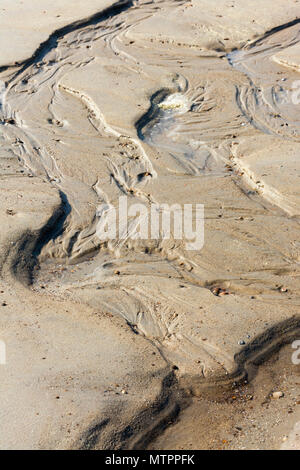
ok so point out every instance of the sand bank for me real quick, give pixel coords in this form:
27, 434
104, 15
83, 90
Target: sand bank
147, 101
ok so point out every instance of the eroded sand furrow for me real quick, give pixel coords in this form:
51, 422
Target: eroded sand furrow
100, 112
267, 102
79, 237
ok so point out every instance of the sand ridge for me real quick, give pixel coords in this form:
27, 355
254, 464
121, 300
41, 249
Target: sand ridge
127, 103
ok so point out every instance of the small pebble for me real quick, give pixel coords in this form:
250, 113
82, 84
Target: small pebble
278, 395
283, 289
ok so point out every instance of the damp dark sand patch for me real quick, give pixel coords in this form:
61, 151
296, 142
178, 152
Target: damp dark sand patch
241, 417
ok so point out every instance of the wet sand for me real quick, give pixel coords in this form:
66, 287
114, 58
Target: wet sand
241, 416
111, 343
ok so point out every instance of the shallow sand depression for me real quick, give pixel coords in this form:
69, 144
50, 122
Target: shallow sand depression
188, 102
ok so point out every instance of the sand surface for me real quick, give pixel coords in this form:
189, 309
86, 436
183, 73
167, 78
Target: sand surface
163, 102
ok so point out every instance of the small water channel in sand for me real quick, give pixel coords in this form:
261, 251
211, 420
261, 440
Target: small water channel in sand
92, 112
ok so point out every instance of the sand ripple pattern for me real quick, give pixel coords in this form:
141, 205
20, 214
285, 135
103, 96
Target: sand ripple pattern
99, 112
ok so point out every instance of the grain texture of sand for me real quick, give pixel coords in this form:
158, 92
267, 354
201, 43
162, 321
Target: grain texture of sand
164, 102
